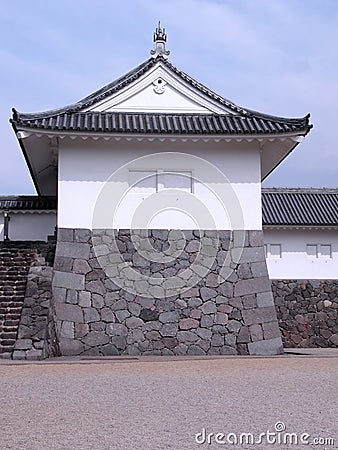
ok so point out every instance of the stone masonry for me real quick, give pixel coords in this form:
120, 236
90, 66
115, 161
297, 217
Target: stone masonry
307, 311
160, 292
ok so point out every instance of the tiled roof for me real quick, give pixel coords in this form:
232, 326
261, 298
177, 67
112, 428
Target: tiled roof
164, 123
240, 121
27, 202
300, 207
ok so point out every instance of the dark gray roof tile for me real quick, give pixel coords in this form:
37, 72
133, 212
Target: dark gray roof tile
148, 123
300, 207
27, 202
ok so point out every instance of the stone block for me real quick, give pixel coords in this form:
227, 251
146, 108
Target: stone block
195, 350
186, 337
226, 289
71, 313
259, 269
271, 330
91, 315
59, 294
228, 350
256, 332
192, 292
107, 315
252, 254
181, 349
208, 293
70, 347
84, 299
207, 321
72, 296
188, 324
169, 317
67, 329
97, 301
169, 329
252, 286
80, 266
34, 354
134, 322
234, 326
259, 315
109, 350
265, 299
243, 335
249, 301
266, 347
117, 329
63, 263
121, 315
98, 326
23, 344
65, 235
209, 307
217, 340
68, 280
82, 235
255, 238
94, 338
73, 250
17, 354
204, 333
119, 342
96, 286
221, 318
80, 330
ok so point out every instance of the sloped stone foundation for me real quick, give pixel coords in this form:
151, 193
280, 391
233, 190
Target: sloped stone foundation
163, 292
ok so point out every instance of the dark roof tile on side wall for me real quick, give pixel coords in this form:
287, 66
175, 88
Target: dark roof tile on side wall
27, 202
300, 207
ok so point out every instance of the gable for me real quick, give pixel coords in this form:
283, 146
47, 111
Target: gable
159, 90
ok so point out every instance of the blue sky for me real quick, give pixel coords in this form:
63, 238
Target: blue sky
278, 57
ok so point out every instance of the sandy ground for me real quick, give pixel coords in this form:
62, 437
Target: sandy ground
163, 404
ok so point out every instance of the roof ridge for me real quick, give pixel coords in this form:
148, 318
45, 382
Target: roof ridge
138, 71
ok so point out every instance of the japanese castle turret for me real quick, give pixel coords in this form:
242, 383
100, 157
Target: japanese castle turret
159, 223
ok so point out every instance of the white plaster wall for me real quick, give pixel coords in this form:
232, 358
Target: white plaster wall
226, 191
29, 226
294, 262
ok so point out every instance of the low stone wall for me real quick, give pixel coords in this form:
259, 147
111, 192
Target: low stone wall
174, 306
31, 337
307, 312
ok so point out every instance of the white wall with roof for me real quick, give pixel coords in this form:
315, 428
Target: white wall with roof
29, 225
302, 253
121, 184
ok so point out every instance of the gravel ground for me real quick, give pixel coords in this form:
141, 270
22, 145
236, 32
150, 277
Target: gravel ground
163, 404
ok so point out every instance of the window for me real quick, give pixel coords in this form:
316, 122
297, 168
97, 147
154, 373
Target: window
311, 250
181, 180
319, 251
273, 250
148, 182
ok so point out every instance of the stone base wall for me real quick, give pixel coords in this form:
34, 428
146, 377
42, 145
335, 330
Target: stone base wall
307, 312
159, 292
30, 343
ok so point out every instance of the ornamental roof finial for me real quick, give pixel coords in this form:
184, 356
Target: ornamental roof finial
160, 39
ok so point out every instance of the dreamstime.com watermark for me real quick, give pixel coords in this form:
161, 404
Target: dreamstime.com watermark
279, 436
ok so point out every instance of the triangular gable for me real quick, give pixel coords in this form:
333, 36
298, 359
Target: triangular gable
159, 90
